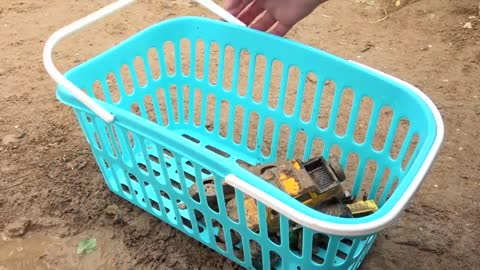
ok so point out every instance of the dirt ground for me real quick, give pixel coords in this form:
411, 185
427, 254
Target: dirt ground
52, 193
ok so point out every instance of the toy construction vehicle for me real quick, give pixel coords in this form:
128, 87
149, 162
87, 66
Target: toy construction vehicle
317, 183
312, 183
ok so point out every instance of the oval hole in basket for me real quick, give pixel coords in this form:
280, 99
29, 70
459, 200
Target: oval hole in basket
217, 151
238, 124
412, 147
185, 52
113, 87
368, 178
317, 147
200, 220
186, 103
154, 204
243, 70
162, 103
131, 176
199, 59
310, 90
88, 118
228, 58
126, 79
300, 140
335, 152
267, 134
319, 248
326, 104
148, 101
197, 102
98, 90
219, 237
153, 62
106, 164
131, 139
400, 135
213, 63
292, 90
135, 109
259, 80
383, 182
97, 141
274, 83
165, 196
243, 75
187, 223
140, 72
224, 117
283, 142
125, 188
363, 119
351, 170
275, 260
174, 103
389, 190
256, 254
210, 113
193, 139
237, 241
169, 56
383, 124
252, 130
345, 108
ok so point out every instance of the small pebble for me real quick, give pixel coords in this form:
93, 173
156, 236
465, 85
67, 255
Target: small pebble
112, 209
18, 228
435, 186
12, 138
468, 25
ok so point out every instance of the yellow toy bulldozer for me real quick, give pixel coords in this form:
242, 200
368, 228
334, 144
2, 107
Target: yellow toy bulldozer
313, 183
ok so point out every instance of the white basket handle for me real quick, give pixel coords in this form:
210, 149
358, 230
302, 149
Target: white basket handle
82, 23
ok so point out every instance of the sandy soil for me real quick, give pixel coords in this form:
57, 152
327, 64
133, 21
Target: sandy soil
52, 194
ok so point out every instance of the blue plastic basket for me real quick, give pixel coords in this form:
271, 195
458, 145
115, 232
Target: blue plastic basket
152, 152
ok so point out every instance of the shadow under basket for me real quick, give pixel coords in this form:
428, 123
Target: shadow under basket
195, 98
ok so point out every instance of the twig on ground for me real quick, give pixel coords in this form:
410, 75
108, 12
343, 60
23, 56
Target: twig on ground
382, 19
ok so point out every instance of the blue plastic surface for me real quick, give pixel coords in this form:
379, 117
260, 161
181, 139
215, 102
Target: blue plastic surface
152, 157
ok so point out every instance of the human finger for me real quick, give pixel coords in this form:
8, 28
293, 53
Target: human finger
251, 12
234, 7
280, 29
264, 22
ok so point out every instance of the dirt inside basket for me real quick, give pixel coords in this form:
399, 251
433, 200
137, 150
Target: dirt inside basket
49, 177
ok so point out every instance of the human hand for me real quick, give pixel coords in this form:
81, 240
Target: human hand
274, 16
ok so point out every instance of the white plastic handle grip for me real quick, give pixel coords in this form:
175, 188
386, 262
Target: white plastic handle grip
82, 23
